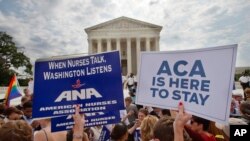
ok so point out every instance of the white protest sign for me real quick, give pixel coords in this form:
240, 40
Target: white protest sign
201, 78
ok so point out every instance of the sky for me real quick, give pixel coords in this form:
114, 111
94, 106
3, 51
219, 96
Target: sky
48, 28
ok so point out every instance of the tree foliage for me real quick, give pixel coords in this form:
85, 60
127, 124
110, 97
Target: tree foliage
11, 59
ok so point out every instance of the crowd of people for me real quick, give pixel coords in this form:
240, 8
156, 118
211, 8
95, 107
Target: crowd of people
139, 123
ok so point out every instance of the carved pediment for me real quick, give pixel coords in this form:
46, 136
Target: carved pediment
122, 23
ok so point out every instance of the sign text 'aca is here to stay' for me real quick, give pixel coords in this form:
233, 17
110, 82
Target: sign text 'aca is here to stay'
200, 78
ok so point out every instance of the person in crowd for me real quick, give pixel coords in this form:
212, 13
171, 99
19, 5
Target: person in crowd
119, 132
1, 122
79, 125
124, 79
2, 109
147, 125
27, 115
136, 125
23, 100
169, 129
245, 111
27, 93
218, 133
244, 81
97, 132
156, 112
131, 83
45, 133
27, 112
234, 111
247, 92
89, 133
131, 109
15, 131
20, 130
132, 95
164, 112
141, 115
31, 85
238, 97
12, 113
70, 136
198, 129
2, 116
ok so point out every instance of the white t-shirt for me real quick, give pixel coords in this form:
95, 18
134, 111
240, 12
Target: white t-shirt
131, 81
123, 79
244, 79
97, 132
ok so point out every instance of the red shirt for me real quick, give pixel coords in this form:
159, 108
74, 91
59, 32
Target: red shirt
199, 136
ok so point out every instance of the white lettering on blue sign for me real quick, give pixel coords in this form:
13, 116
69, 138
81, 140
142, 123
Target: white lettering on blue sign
75, 95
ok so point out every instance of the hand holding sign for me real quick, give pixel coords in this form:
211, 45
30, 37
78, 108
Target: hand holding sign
180, 120
79, 123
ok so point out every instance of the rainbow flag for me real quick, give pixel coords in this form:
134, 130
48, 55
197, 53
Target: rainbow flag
12, 92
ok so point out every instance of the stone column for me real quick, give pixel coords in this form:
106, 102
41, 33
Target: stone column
157, 48
109, 44
147, 44
99, 45
90, 49
129, 55
138, 52
118, 46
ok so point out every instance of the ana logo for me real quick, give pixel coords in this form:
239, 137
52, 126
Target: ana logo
73, 95
78, 84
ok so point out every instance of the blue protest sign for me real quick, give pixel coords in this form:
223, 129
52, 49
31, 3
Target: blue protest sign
91, 119
137, 134
105, 134
93, 82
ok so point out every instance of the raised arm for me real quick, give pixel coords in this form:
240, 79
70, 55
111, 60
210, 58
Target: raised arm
79, 125
179, 123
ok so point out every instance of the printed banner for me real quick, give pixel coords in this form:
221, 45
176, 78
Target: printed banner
91, 119
93, 82
105, 134
200, 78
